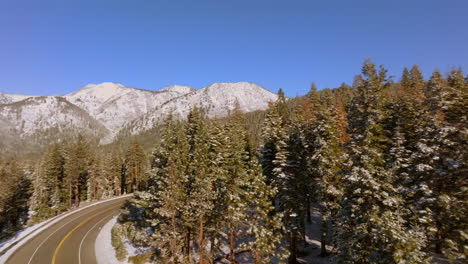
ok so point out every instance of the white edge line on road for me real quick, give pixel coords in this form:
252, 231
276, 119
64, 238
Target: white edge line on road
50, 222
82, 240
43, 241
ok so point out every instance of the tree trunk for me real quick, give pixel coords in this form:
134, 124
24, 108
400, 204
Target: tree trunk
225, 257
293, 249
77, 195
201, 241
232, 256
117, 190
212, 247
309, 215
188, 245
70, 194
174, 242
323, 238
438, 241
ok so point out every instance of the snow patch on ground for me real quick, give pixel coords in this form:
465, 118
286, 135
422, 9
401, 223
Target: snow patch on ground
6, 243
103, 245
311, 252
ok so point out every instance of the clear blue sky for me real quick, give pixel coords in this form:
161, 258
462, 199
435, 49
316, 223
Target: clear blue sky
54, 47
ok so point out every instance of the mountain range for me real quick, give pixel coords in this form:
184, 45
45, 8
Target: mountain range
103, 110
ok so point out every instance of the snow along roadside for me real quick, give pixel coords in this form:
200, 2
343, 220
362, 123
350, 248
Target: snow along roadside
103, 245
27, 234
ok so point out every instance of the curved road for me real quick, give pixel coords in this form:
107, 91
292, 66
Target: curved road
70, 240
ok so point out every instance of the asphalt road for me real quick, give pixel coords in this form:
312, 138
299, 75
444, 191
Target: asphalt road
69, 241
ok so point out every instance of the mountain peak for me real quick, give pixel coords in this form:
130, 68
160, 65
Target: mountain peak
217, 100
251, 89
235, 85
102, 91
102, 86
182, 89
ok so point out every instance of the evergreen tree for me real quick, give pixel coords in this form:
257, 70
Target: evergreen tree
76, 171
49, 196
344, 93
15, 192
235, 182
290, 179
104, 176
324, 159
114, 172
158, 210
310, 105
243, 200
370, 226
96, 182
274, 131
135, 166
42, 194
406, 124
434, 93
169, 193
417, 85
218, 154
199, 186
405, 81
443, 164
454, 100
282, 106
56, 168
262, 225
342, 122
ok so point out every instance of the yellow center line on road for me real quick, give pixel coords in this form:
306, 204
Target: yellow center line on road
57, 249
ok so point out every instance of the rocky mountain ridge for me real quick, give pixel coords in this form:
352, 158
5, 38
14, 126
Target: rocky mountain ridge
103, 110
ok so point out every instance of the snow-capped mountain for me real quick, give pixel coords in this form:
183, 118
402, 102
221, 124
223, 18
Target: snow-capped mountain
106, 109
217, 100
47, 116
11, 98
178, 89
115, 105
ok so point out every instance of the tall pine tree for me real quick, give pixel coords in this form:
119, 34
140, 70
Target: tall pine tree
370, 225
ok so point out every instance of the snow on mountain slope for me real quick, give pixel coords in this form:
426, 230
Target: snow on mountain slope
48, 116
6, 135
107, 109
115, 105
11, 98
92, 96
217, 100
182, 89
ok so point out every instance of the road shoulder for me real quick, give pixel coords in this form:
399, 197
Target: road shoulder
105, 252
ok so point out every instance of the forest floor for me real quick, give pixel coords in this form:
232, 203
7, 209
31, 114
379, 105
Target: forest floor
310, 254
